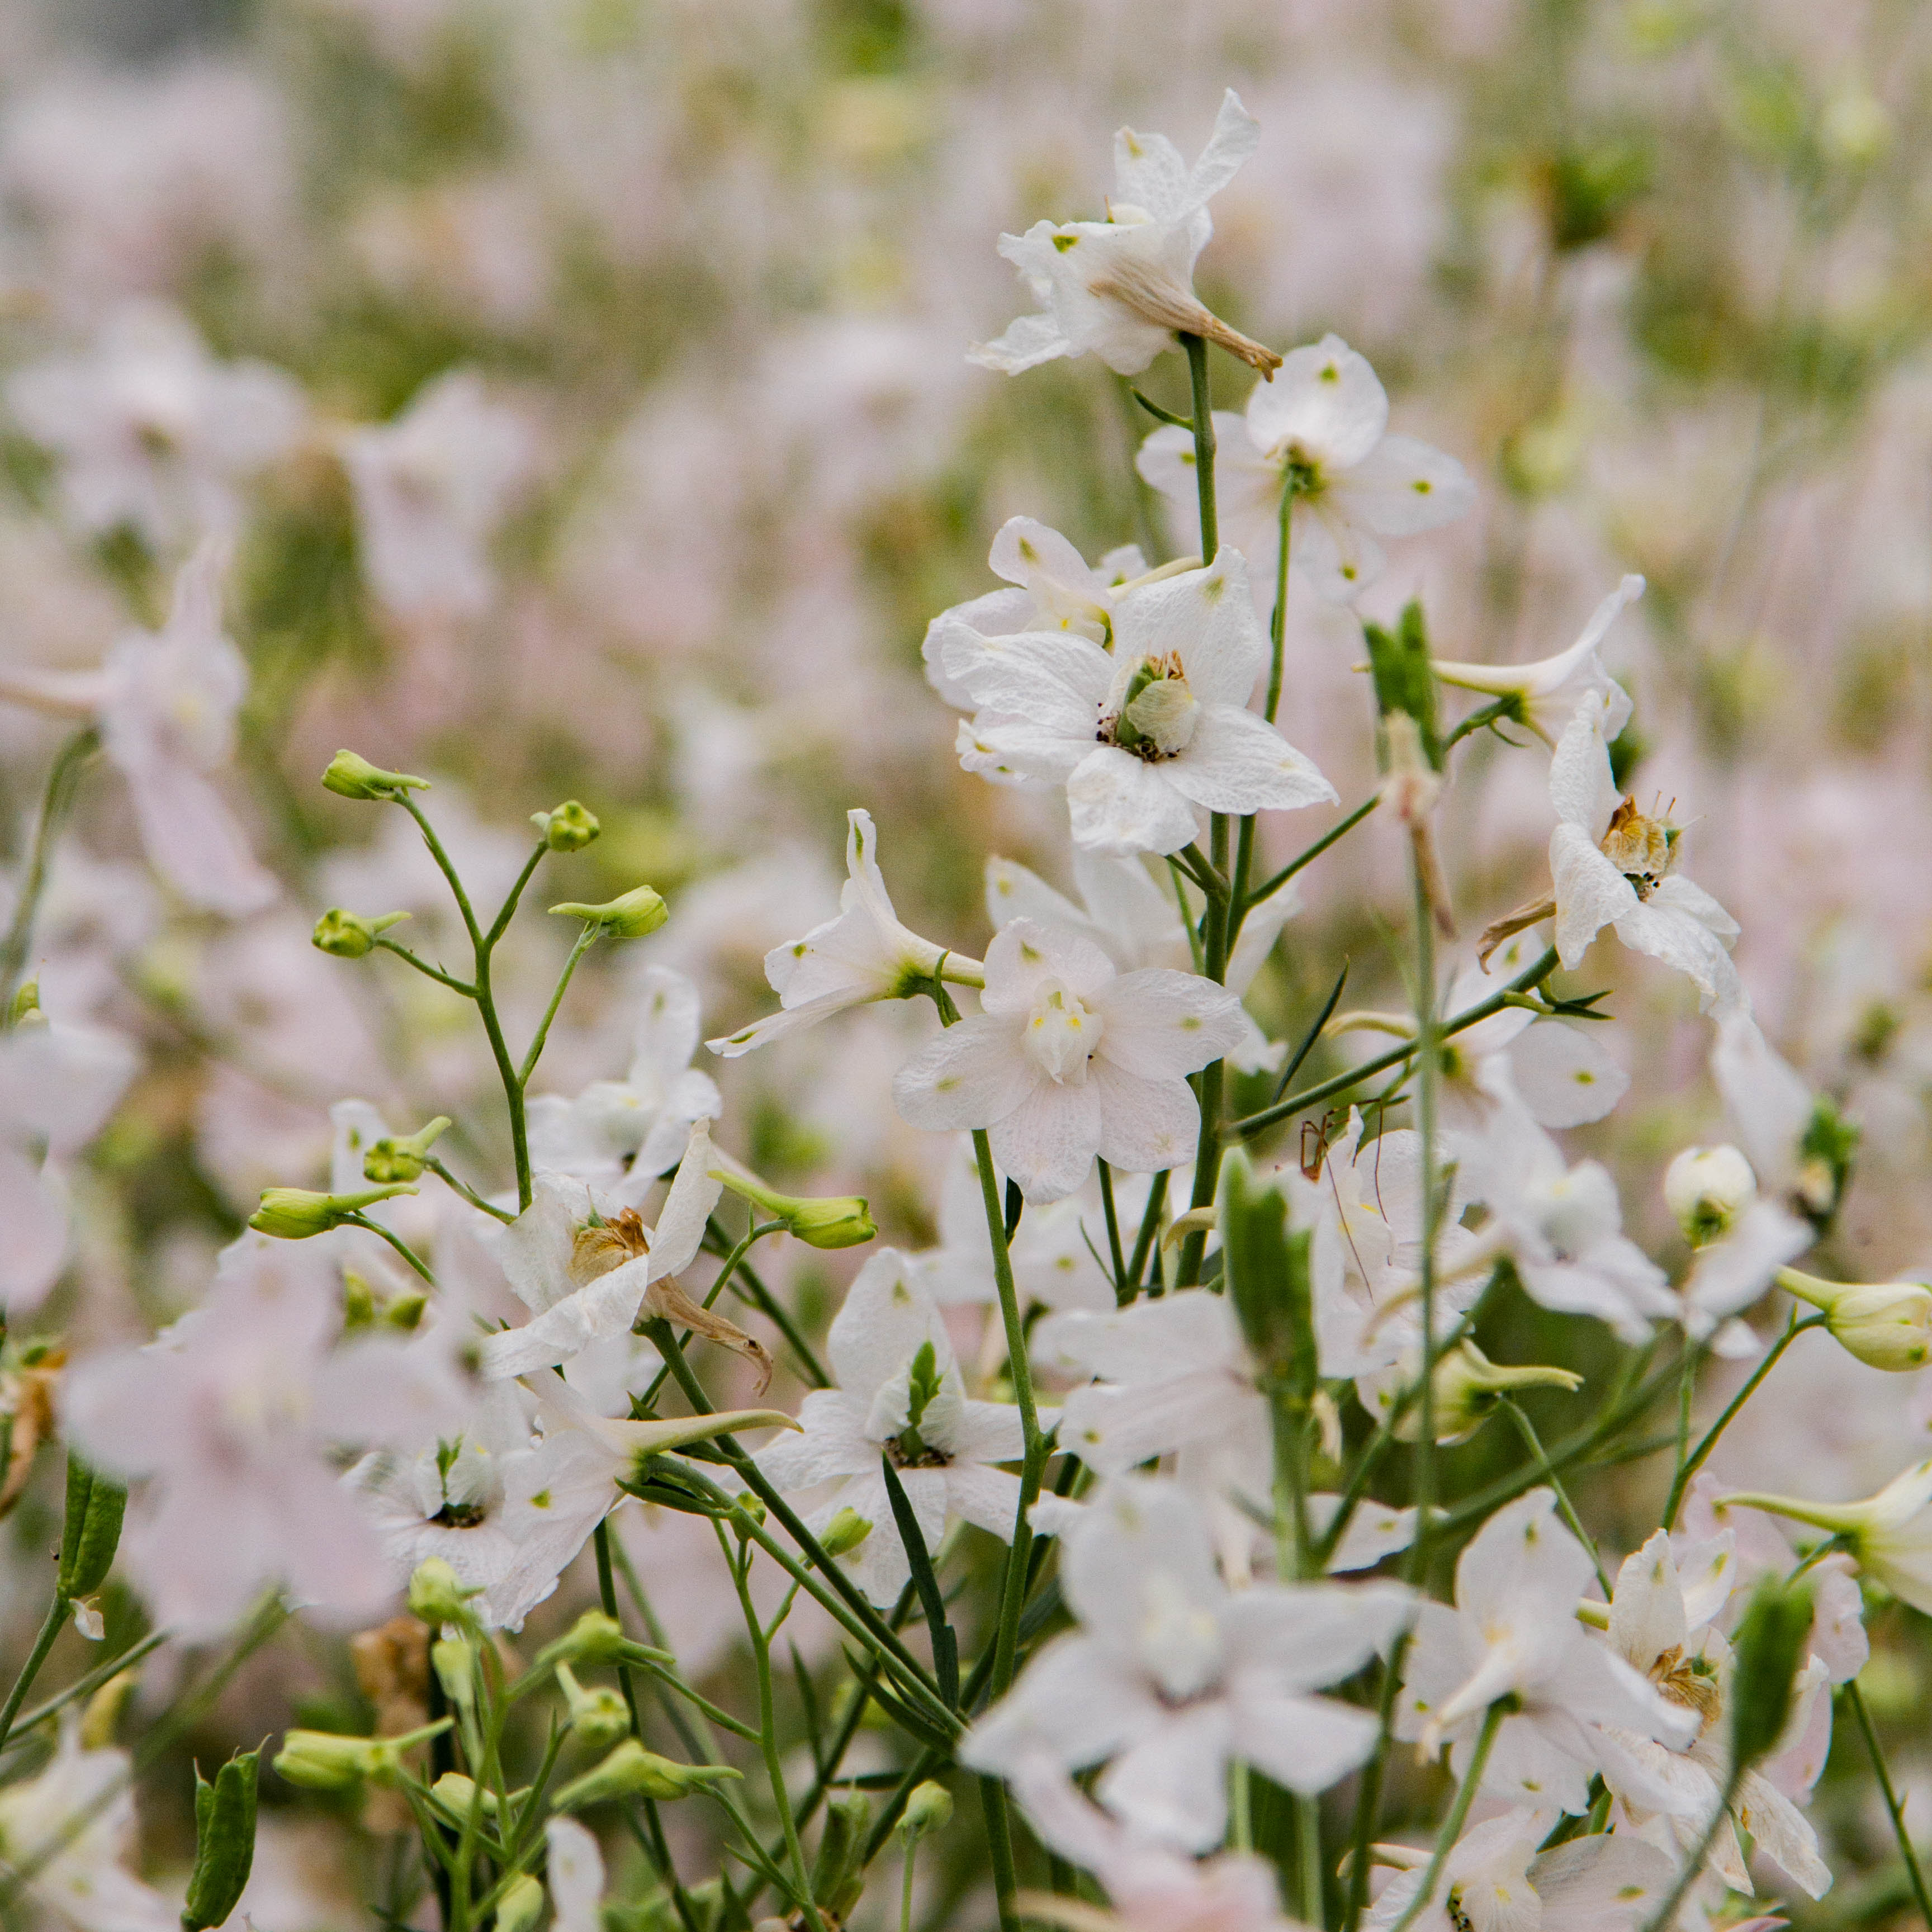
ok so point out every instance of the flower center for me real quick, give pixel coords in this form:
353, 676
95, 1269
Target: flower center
1642, 848
1062, 1034
1179, 1642
1152, 712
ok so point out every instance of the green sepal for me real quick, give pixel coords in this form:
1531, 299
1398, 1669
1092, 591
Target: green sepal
224, 1832
91, 1532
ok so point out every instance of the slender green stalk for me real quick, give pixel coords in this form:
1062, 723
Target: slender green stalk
1148, 1233
86, 1686
586, 940
1666, 1915
1533, 1442
50, 1628
1429, 1077
1459, 1812
1113, 1252
1203, 426
1208, 1147
1278, 623
463, 1187
1369, 1792
1895, 1808
422, 966
1308, 1859
1335, 832
905, 1893
401, 1246
1689, 1464
507, 910
606, 1596
63, 778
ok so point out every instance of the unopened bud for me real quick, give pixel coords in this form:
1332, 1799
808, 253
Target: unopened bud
521, 1905
1769, 1648
459, 1798
596, 1638
396, 1158
330, 1761
569, 828
839, 1872
440, 1596
296, 1214
1707, 1189
928, 1809
25, 1004
598, 1717
1886, 1324
629, 916
224, 1848
350, 776
827, 1221
845, 1533
630, 1771
92, 1532
1467, 1387
347, 935
454, 1660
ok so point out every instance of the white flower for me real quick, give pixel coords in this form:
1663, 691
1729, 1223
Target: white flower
431, 488
1612, 864
586, 1275
1771, 1111
863, 955
636, 1126
1741, 1240
58, 1083
1320, 425
84, 1877
1547, 693
1513, 1632
1122, 287
165, 702
1495, 1880
575, 1872
899, 1395
1890, 1534
1054, 589
1171, 1677
1167, 705
1136, 923
154, 434
1069, 1059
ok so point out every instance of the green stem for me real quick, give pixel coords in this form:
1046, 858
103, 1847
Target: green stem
1204, 445
1114, 1251
401, 1246
1269, 887
507, 910
91, 1682
463, 1187
1527, 1430
586, 940
1148, 1231
1208, 1147
1429, 1075
1308, 1861
422, 966
63, 777
1278, 624
1894, 1809
50, 1628
1369, 1793
1459, 1812
1666, 1915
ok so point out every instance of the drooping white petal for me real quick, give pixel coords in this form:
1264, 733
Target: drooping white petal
1236, 762
1404, 486
1119, 803
1325, 401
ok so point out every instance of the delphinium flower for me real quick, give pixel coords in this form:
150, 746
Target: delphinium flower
865, 954
1740, 1239
165, 702
1613, 865
1798, 1147
1319, 427
1149, 737
1068, 1060
574, 1872
1662, 1622
1513, 1634
899, 1397
1121, 289
1168, 1678
635, 1127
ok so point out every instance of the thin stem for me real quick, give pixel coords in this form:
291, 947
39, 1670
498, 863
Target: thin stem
422, 966
1430, 1076
1495, 1002
1278, 625
92, 1682
507, 911
62, 779
1895, 1808
1688, 1465
1369, 1793
1527, 1430
1149, 1228
1208, 1147
1314, 1032
1204, 445
1308, 1847
463, 1187
1000, 1851
395, 1241
1269, 887
905, 1894
1113, 1230
586, 940
50, 1628
1459, 1812
1666, 1915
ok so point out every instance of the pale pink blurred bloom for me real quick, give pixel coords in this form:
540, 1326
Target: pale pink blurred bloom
58, 1083
86, 1878
152, 432
432, 488
250, 1133
474, 246
95, 916
230, 1419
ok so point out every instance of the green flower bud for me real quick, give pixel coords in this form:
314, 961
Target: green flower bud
91, 1532
358, 1303
637, 912
630, 1771
598, 1717
347, 935
928, 1809
1468, 1386
406, 1312
295, 1213
440, 1596
1707, 1189
350, 776
395, 1158
845, 1533
839, 1872
25, 1004
827, 1221
456, 1797
596, 1638
224, 1842
454, 1660
568, 828
1886, 1324
1769, 1647
330, 1761
521, 1905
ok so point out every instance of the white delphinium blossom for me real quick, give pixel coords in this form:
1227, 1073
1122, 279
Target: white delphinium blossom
1136, 923
1068, 1059
1661, 1623
621, 1134
1320, 427
58, 1083
165, 703
1612, 864
1122, 288
1544, 696
574, 1873
900, 1396
1167, 705
1772, 1111
431, 488
1740, 1239
1495, 1880
1170, 1677
865, 954
587, 1274
73, 1824
1051, 587
1561, 1225
231, 1418
1513, 1632
1152, 1888
153, 432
